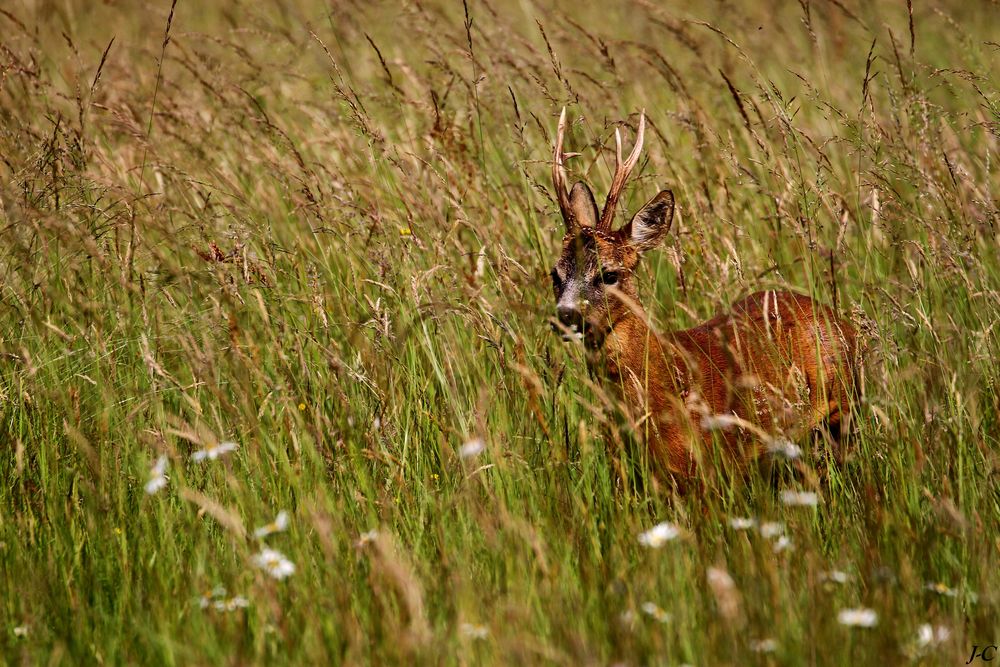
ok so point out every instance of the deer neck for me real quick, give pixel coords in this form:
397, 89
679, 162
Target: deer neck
631, 357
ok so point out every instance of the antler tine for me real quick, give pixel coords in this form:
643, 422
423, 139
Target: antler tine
559, 173
622, 172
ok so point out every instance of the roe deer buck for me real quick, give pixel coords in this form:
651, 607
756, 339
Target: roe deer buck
776, 363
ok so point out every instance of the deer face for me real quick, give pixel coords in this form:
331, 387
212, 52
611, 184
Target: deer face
594, 279
593, 272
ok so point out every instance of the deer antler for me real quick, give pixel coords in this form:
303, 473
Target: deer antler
559, 174
622, 172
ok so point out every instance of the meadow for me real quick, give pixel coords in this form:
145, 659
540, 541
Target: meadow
293, 256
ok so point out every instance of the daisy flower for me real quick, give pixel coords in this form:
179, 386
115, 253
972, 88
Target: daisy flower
942, 589
157, 476
279, 524
474, 630
658, 535
928, 635
770, 529
782, 544
231, 604
784, 448
471, 449
216, 599
655, 612
764, 645
858, 618
208, 597
367, 537
214, 451
799, 498
836, 576
274, 563
740, 523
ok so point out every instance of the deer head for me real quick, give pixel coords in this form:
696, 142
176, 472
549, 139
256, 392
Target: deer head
594, 277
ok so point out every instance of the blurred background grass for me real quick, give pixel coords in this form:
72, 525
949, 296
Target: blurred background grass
324, 233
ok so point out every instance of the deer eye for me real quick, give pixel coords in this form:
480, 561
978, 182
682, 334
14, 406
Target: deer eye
609, 277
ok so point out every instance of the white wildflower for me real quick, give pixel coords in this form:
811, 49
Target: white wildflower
209, 597
799, 498
279, 524
928, 635
157, 476
784, 448
217, 599
770, 529
764, 645
471, 449
942, 589
655, 612
782, 544
231, 604
836, 576
274, 563
367, 537
21, 631
658, 535
858, 618
740, 523
474, 630
214, 451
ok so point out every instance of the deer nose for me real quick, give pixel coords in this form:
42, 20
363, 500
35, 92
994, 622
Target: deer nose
569, 316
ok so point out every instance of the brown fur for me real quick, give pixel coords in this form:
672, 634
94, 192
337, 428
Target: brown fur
777, 364
777, 360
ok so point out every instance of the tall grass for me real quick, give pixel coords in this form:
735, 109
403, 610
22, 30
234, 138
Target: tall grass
324, 232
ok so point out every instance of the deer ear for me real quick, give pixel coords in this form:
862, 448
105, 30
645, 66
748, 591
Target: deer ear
581, 202
651, 223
